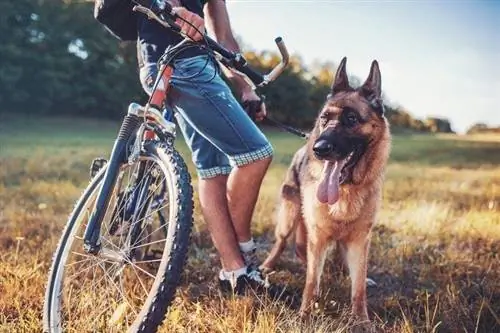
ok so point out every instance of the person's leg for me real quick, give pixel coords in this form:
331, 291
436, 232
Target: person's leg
213, 111
243, 190
213, 169
207, 105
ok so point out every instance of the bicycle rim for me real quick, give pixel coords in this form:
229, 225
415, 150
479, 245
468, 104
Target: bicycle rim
114, 290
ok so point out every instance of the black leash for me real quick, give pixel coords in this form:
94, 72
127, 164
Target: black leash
251, 107
287, 128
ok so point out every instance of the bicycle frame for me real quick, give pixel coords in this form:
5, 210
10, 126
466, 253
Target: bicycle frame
148, 123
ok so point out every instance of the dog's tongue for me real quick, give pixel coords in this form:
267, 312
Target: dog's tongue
328, 189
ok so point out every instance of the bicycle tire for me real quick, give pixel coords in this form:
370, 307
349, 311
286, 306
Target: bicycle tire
172, 263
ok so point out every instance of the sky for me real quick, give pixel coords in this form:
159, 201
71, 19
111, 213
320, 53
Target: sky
437, 58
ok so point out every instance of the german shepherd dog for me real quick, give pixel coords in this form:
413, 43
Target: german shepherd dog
332, 189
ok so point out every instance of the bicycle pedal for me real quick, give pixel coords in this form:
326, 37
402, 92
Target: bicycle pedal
97, 165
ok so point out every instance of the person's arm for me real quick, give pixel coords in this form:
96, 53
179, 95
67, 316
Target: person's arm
191, 24
219, 27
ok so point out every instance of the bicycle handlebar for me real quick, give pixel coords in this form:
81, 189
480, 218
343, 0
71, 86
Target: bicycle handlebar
232, 60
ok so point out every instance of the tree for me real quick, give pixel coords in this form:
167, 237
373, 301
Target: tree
483, 128
57, 59
438, 125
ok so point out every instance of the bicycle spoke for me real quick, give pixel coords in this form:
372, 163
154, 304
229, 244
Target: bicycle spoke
160, 227
142, 270
111, 243
119, 290
137, 185
140, 280
146, 244
146, 261
124, 201
146, 200
77, 262
83, 270
151, 194
108, 290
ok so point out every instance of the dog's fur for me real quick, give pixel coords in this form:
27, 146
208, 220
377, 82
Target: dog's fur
349, 220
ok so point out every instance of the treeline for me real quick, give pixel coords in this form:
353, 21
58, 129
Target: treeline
483, 128
401, 119
300, 92
57, 60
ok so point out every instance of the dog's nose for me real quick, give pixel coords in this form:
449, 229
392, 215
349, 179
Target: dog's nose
322, 148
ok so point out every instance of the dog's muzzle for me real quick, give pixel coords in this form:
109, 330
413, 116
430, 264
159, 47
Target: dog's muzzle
322, 149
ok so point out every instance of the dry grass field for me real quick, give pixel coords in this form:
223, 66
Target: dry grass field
435, 253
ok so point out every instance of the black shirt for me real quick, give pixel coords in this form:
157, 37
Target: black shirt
153, 38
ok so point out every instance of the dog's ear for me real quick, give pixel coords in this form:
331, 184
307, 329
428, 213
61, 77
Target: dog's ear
341, 81
372, 88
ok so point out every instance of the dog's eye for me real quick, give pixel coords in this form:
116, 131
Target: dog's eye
323, 119
351, 119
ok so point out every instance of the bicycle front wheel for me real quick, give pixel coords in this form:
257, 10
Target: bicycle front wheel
130, 283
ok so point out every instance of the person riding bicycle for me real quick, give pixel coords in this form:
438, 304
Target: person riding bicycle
230, 152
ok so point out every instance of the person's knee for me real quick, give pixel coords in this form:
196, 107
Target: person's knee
255, 160
213, 173
259, 166
266, 161
219, 181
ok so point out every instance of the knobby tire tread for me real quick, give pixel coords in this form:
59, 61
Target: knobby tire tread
178, 256
171, 277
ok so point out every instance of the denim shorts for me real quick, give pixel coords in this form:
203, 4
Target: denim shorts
217, 130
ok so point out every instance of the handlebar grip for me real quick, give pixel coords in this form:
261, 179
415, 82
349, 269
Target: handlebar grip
165, 11
239, 64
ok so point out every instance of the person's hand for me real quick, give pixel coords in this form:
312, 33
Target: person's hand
192, 25
254, 105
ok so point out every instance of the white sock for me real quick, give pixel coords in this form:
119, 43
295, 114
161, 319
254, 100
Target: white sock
247, 246
223, 275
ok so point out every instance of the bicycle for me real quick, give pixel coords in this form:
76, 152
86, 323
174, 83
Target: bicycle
120, 257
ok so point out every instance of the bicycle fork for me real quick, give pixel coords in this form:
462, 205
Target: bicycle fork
118, 154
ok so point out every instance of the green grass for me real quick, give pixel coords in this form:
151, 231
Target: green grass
435, 252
